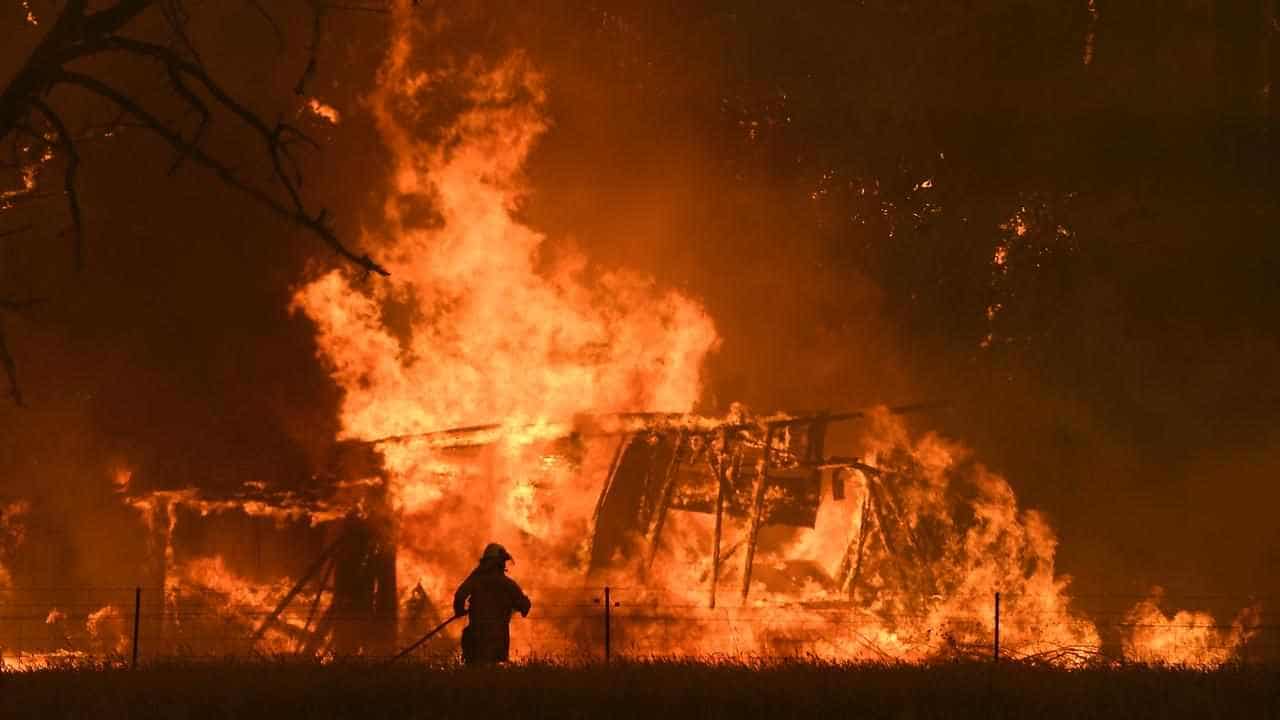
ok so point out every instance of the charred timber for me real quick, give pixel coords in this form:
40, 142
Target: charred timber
627, 424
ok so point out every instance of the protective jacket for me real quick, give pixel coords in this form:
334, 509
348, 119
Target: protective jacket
488, 597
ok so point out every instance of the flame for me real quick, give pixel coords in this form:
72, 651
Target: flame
234, 597
212, 573
32, 662
1186, 637
495, 330
323, 111
121, 478
281, 506
28, 176
107, 630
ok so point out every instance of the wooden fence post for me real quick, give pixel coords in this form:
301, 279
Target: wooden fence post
607, 605
996, 649
137, 616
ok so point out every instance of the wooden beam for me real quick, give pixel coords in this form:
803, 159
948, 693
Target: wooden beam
719, 471
664, 498
757, 510
297, 588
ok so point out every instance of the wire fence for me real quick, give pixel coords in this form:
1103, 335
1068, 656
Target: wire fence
42, 626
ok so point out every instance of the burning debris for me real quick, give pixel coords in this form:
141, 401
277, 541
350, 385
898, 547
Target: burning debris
831, 533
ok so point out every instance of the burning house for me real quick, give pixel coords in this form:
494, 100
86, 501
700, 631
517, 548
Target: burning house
495, 390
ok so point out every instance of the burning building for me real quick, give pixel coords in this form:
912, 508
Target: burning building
495, 391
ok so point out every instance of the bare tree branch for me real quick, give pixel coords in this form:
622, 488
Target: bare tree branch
10, 368
68, 176
81, 30
313, 48
175, 78
77, 34
275, 139
113, 18
275, 26
175, 14
317, 224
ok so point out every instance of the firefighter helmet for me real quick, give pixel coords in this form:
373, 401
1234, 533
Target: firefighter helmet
494, 551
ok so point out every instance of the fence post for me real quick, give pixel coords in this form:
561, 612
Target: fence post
996, 649
137, 615
607, 604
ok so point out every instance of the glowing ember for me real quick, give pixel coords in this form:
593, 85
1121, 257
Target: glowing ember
323, 111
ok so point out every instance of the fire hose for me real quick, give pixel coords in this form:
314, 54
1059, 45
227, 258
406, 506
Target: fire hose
424, 638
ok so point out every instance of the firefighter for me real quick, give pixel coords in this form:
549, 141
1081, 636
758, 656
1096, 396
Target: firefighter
492, 598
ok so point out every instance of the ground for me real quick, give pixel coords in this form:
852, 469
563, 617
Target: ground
657, 690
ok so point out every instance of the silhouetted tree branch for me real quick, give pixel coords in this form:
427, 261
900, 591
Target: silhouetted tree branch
10, 367
38, 131
77, 34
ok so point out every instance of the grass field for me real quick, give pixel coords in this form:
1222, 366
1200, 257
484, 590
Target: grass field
657, 690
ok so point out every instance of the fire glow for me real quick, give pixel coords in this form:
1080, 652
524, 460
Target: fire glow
560, 372
493, 338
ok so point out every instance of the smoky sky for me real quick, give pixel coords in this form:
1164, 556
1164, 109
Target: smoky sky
831, 181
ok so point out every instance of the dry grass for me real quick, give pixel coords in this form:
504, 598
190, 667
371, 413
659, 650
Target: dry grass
655, 690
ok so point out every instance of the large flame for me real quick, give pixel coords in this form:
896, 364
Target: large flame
478, 325
477, 322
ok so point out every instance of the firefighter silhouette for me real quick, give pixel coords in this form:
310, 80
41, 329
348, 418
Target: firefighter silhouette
488, 597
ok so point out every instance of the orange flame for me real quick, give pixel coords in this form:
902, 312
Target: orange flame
1186, 637
490, 334
107, 630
